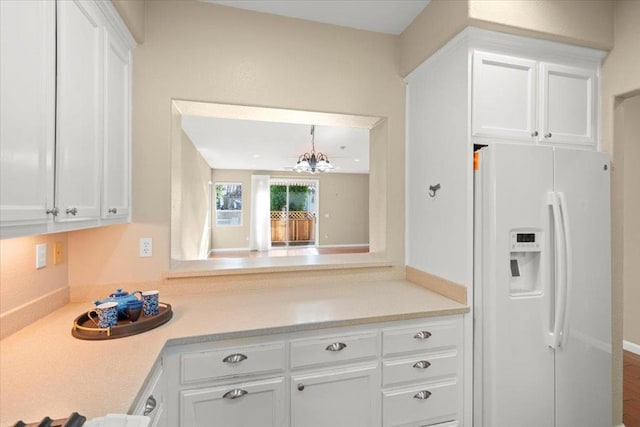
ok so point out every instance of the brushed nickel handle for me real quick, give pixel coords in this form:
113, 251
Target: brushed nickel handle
547, 135
150, 405
235, 358
422, 335
53, 211
72, 211
336, 346
113, 211
534, 133
422, 395
422, 364
235, 393
300, 387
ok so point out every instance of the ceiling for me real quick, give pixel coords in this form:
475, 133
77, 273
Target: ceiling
274, 146
383, 16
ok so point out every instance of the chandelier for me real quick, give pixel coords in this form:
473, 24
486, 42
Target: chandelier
313, 162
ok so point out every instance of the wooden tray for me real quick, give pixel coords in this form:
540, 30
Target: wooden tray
85, 329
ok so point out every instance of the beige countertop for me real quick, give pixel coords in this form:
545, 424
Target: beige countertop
45, 371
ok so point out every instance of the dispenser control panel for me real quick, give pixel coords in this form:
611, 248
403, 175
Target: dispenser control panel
525, 241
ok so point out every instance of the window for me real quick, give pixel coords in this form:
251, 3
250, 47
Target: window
228, 204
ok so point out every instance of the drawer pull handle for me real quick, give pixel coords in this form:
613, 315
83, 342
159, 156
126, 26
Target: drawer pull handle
422, 395
300, 387
423, 364
149, 405
235, 358
235, 393
336, 346
422, 335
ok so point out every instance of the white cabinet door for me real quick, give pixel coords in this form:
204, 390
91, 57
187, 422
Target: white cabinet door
116, 186
259, 403
568, 105
27, 110
79, 110
504, 97
151, 402
337, 398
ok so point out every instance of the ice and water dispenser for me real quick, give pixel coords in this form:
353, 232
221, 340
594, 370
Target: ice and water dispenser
525, 247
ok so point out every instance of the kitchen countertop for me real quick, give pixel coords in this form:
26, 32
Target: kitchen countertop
45, 371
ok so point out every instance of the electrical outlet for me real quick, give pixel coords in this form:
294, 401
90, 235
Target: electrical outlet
146, 246
41, 255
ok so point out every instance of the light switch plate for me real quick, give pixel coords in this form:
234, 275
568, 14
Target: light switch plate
41, 255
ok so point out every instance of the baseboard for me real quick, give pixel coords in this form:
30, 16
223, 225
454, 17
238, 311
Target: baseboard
19, 317
632, 347
346, 245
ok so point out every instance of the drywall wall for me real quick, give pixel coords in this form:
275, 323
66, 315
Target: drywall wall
620, 75
430, 30
584, 23
207, 52
630, 137
190, 212
343, 216
27, 294
132, 13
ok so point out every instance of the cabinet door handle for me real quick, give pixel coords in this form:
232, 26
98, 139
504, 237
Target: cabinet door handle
422, 395
113, 211
235, 358
300, 387
150, 405
534, 133
422, 364
53, 211
422, 335
72, 211
336, 346
547, 135
235, 393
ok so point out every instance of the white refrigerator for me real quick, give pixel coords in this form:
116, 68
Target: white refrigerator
542, 287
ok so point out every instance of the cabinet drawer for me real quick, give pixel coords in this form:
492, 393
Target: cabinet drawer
232, 362
419, 368
419, 338
333, 349
439, 403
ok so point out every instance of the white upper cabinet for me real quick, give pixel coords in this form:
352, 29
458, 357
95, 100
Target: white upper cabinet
567, 104
65, 84
504, 96
116, 180
27, 111
522, 99
80, 110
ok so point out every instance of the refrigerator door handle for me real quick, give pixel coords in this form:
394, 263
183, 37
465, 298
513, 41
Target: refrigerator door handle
560, 276
568, 268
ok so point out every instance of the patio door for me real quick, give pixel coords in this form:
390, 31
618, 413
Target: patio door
294, 206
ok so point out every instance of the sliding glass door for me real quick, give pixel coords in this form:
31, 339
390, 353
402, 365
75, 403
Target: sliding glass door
293, 212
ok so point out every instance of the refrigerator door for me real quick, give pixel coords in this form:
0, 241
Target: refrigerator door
514, 291
583, 358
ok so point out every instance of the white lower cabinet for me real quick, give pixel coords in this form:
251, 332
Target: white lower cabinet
339, 398
257, 403
402, 373
151, 401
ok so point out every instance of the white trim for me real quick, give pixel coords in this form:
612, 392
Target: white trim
632, 347
345, 245
213, 251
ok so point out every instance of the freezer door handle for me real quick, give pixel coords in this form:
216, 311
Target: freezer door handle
555, 333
